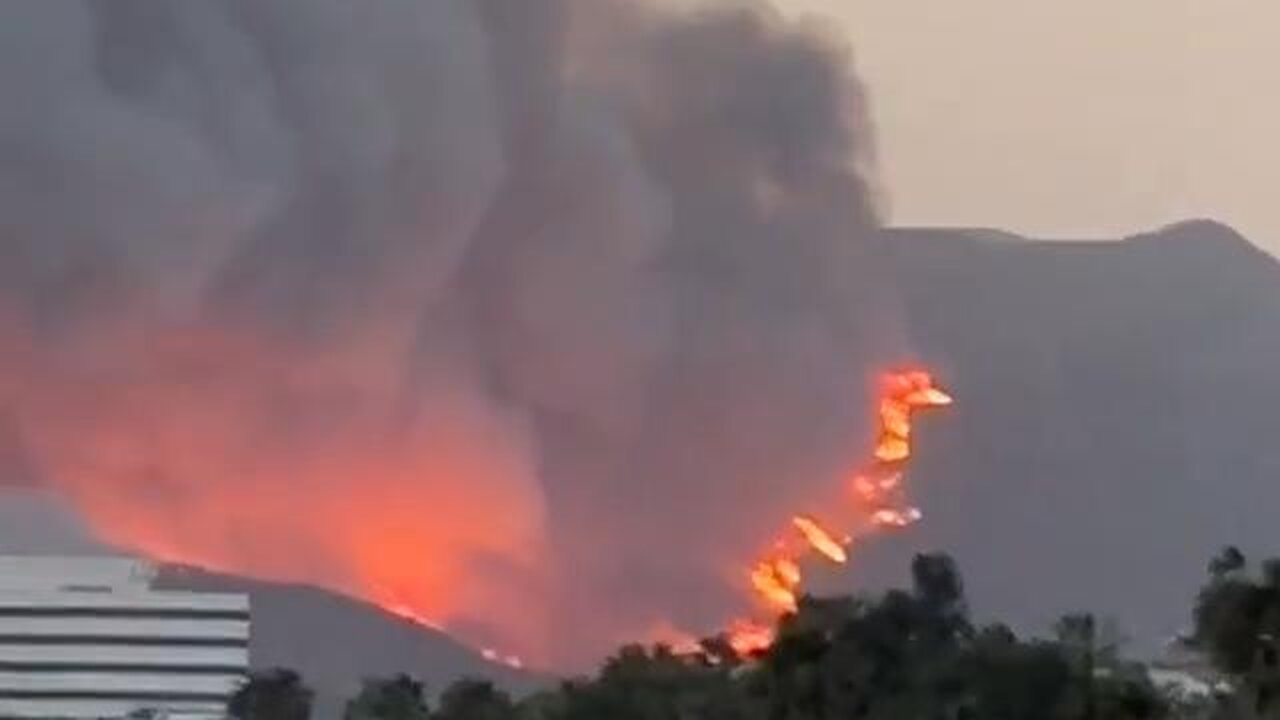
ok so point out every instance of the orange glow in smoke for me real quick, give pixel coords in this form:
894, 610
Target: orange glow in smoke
407, 613
749, 637
775, 585
788, 571
892, 448
205, 491
877, 492
439, 499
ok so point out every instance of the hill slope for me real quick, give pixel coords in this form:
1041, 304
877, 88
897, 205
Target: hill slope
335, 641
1118, 404
1118, 409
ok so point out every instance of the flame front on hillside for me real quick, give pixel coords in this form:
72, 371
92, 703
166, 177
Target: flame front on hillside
877, 494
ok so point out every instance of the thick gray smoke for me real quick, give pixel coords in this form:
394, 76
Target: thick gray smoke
535, 317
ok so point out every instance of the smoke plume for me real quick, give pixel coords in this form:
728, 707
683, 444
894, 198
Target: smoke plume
522, 316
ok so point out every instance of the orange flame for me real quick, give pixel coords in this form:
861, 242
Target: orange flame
775, 582
776, 579
895, 417
788, 571
820, 540
904, 393
748, 637
892, 448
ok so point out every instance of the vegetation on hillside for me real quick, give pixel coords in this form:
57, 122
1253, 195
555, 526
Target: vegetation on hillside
905, 655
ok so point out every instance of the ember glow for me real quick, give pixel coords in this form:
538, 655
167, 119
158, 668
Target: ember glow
775, 581
877, 505
889, 517
511, 661
409, 614
749, 637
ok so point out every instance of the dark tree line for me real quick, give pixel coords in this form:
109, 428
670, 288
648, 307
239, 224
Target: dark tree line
905, 655
1237, 624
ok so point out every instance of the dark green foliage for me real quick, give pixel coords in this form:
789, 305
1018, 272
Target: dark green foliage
1237, 623
915, 655
904, 655
1129, 699
937, 584
1012, 680
397, 698
1228, 561
1229, 620
907, 655
276, 694
643, 684
1238, 617
474, 700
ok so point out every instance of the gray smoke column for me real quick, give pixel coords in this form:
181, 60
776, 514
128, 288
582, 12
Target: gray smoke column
534, 318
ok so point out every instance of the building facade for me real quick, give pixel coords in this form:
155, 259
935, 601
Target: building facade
90, 638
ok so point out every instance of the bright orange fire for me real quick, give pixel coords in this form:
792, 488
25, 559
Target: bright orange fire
439, 500
821, 540
776, 579
748, 637
436, 498
775, 582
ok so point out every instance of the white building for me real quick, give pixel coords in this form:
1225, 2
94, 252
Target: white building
88, 637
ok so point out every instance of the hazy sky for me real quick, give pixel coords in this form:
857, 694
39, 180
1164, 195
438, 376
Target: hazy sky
1072, 118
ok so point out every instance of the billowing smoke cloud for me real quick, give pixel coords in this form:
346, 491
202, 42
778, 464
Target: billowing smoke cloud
525, 316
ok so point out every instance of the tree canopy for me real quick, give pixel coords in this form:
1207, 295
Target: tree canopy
397, 698
908, 654
275, 694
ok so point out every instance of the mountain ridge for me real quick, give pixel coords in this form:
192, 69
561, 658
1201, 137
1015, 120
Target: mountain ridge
1116, 410
1115, 406
335, 641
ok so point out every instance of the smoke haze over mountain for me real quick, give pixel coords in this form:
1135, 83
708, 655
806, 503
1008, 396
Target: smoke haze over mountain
522, 316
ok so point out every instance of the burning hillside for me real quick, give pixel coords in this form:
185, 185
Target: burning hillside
873, 501
520, 318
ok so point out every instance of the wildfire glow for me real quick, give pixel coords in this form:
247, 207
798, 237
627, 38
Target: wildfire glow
878, 505
820, 540
407, 613
494, 656
748, 637
775, 583
788, 571
903, 393
888, 517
